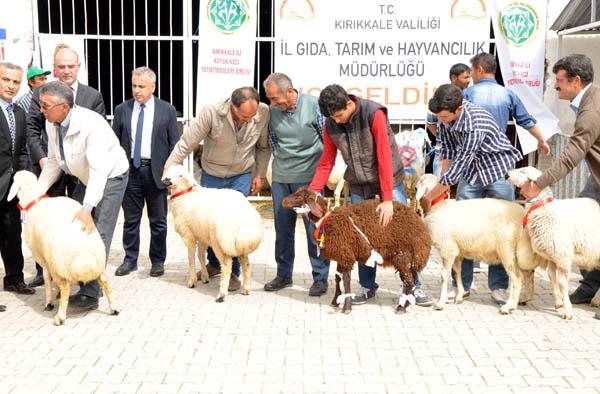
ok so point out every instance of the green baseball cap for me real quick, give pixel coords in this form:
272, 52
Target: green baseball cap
35, 71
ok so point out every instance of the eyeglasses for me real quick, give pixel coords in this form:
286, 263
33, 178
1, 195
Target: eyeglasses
49, 107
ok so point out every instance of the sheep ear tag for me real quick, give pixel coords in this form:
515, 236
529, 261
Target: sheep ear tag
374, 258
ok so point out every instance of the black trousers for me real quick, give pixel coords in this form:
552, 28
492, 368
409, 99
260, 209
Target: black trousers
10, 242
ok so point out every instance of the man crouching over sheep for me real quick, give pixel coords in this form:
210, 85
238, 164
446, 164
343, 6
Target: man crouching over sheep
235, 154
81, 143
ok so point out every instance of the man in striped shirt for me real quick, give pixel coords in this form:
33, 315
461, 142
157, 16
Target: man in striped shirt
36, 77
478, 153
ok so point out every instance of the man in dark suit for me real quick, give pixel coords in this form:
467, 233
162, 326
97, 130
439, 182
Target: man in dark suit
13, 157
146, 126
66, 69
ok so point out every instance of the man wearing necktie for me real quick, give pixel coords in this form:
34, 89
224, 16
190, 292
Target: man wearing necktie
146, 126
82, 144
13, 157
66, 69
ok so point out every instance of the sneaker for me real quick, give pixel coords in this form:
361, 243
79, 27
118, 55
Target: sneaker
581, 295
422, 299
499, 296
452, 295
317, 289
597, 315
234, 283
364, 296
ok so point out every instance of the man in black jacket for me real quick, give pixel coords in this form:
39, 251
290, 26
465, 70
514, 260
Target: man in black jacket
13, 158
66, 69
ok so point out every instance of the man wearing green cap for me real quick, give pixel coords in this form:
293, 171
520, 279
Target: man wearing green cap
35, 77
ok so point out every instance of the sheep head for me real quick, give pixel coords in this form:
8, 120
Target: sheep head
306, 198
520, 176
426, 183
24, 186
176, 178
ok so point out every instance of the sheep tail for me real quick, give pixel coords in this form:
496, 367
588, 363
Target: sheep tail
86, 267
244, 238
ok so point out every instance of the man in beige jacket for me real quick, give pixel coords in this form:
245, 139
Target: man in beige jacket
235, 154
574, 76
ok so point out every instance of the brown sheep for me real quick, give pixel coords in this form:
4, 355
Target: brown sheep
404, 244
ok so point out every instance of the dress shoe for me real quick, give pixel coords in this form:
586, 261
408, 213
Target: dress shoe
317, 289
37, 281
84, 302
234, 283
2, 308
213, 271
19, 288
157, 270
582, 295
125, 269
278, 284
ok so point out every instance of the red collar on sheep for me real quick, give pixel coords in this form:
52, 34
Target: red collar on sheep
31, 204
535, 206
319, 233
439, 198
181, 193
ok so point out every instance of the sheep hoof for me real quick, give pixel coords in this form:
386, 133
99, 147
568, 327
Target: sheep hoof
566, 316
220, 299
504, 310
191, 286
58, 321
245, 292
205, 281
522, 303
346, 310
114, 312
438, 307
49, 307
458, 300
400, 310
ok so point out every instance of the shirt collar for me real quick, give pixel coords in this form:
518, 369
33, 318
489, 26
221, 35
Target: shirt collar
67, 121
4, 104
487, 79
577, 100
148, 104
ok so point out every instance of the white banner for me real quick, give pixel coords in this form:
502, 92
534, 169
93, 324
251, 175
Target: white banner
226, 48
395, 52
520, 31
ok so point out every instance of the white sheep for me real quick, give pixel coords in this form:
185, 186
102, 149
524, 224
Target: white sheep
483, 229
220, 218
565, 232
57, 243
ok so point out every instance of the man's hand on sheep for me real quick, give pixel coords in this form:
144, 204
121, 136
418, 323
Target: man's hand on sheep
87, 222
530, 190
256, 185
42, 162
386, 212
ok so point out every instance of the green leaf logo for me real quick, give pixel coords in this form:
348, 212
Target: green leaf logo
228, 15
518, 23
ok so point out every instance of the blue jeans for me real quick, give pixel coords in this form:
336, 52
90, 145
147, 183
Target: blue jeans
366, 275
241, 183
285, 230
497, 276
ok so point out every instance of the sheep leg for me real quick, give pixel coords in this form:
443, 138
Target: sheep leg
596, 300
347, 301
191, 247
201, 252
563, 280
460, 288
48, 290
103, 282
61, 316
245, 264
529, 287
408, 284
515, 284
556, 288
447, 266
338, 291
226, 263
